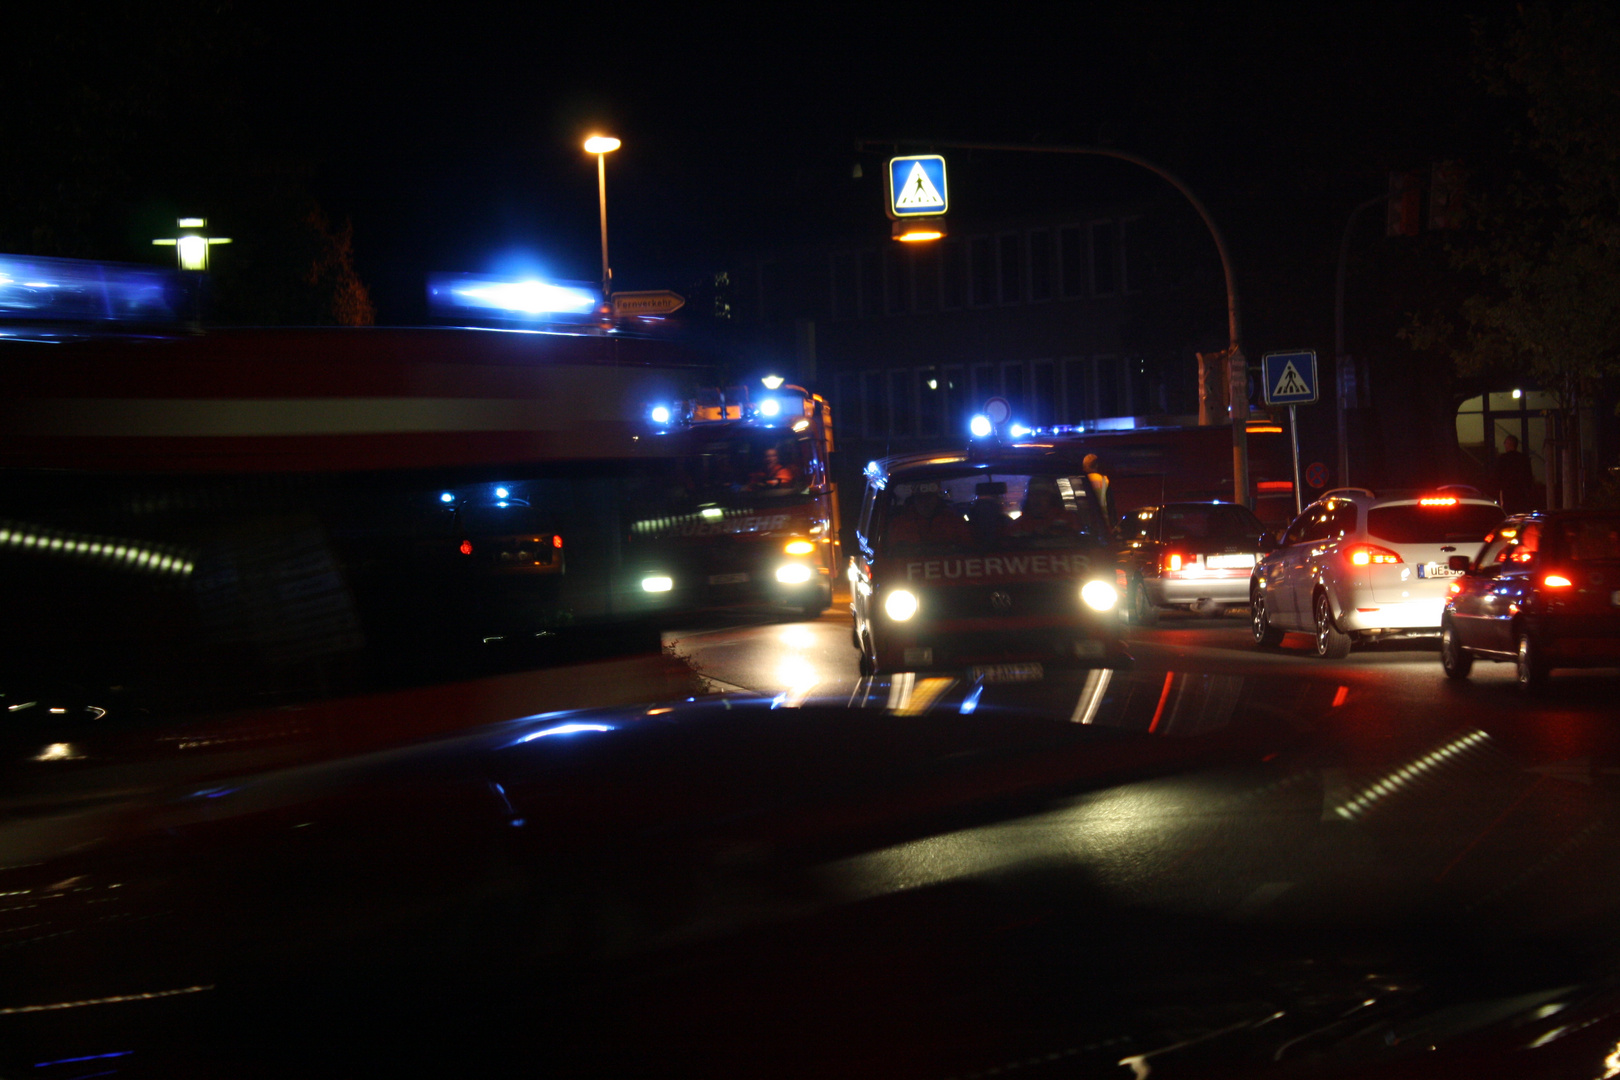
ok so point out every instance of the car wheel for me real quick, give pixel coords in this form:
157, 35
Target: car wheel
1331, 642
1265, 634
1532, 666
1456, 660
1142, 611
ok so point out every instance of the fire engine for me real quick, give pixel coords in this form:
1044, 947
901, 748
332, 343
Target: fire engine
754, 516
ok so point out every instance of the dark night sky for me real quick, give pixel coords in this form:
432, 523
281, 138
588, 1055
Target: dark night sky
450, 134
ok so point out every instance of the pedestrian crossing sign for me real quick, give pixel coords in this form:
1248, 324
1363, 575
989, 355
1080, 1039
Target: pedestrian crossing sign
917, 186
1290, 377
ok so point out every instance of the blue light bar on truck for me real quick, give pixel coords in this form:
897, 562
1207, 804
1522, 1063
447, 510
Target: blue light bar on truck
464, 296
35, 288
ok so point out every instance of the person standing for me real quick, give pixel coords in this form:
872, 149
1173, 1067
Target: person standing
1513, 482
1099, 484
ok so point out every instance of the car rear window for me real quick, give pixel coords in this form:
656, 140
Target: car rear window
1593, 540
1413, 523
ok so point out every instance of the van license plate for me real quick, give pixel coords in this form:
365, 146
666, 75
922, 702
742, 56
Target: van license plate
1003, 673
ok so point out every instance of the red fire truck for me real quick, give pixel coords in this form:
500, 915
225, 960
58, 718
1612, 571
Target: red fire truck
752, 514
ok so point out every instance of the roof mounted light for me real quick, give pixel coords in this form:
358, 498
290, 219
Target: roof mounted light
526, 299
773, 382
980, 426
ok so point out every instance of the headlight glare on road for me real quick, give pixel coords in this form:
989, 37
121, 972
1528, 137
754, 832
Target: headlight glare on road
1099, 595
901, 605
657, 583
793, 573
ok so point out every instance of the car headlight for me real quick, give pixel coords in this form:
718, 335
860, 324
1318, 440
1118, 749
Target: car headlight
798, 547
793, 574
901, 604
658, 583
1099, 595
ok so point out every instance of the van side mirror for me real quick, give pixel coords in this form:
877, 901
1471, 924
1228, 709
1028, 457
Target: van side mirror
1459, 563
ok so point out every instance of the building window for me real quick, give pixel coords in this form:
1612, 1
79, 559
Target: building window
953, 292
930, 401
902, 403
871, 284
876, 397
1076, 391
985, 385
846, 288
897, 278
1040, 265
982, 271
1105, 257
1113, 398
1012, 268
954, 384
925, 275
1074, 276
1012, 388
1043, 398
848, 417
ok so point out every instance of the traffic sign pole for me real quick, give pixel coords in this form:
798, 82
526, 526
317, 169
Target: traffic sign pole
1293, 433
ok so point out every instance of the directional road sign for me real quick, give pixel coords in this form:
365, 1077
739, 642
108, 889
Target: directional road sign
917, 186
1290, 377
656, 302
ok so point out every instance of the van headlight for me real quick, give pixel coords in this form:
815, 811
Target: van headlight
1099, 595
793, 573
657, 583
901, 604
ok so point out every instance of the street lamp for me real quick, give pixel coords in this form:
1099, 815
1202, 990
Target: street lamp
192, 246
602, 146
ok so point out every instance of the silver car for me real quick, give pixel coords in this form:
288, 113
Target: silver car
1359, 566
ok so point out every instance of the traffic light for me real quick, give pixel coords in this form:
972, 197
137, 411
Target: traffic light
1405, 204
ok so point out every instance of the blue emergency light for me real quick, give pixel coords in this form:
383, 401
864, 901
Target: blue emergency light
76, 290
511, 299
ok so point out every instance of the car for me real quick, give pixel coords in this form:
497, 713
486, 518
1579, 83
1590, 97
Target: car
1194, 555
1542, 593
1359, 566
988, 557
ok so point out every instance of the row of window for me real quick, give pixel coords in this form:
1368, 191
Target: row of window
939, 401
982, 271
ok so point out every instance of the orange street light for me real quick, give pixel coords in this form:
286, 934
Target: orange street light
601, 146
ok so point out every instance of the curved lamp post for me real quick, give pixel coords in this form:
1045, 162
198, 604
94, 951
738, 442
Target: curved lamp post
1239, 397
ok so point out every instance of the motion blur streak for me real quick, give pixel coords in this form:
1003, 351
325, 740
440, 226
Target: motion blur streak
122, 554
1091, 696
118, 1000
1396, 779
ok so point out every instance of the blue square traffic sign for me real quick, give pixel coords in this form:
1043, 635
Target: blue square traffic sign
917, 186
1290, 377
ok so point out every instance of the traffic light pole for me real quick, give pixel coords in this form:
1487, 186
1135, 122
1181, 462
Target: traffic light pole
1238, 382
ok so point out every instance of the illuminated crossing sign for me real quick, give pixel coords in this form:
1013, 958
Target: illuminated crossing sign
917, 186
1290, 377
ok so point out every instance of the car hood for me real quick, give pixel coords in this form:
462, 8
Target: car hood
730, 887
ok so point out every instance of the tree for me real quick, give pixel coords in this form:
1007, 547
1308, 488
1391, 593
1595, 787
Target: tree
1544, 236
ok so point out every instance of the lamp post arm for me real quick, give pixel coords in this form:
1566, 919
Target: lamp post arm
1234, 326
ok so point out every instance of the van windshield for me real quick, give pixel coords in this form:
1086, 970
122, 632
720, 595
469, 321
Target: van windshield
985, 509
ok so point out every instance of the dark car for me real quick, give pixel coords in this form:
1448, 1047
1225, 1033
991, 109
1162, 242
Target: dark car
1193, 555
1543, 593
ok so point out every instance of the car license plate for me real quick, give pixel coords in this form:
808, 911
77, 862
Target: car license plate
1436, 570
727, 579
1004, 673
1228, 562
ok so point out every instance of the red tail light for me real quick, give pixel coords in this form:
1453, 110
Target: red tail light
1438, 500
1372, 554
1556, 581
466, 547
1175, 560
556, 541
